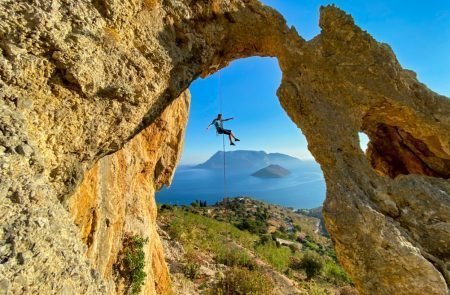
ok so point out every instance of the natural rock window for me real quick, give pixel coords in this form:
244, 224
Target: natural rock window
363, 141
393, 151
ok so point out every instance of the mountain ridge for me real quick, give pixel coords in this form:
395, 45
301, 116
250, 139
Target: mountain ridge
249, 160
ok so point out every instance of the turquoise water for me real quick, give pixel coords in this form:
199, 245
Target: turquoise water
303, 188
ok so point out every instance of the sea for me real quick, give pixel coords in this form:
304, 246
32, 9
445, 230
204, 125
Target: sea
304, 188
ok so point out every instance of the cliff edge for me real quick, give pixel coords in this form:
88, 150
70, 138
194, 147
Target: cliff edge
116, 199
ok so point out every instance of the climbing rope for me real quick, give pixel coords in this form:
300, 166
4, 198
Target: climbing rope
225, 200
223, 140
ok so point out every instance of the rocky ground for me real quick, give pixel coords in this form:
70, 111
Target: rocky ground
210, 271
185, 233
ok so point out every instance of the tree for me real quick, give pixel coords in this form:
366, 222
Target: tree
312, 263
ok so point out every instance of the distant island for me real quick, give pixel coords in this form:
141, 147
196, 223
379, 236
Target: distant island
249, 160
272, 171
304, 187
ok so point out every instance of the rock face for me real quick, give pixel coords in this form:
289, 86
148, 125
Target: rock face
116, 198
78, 79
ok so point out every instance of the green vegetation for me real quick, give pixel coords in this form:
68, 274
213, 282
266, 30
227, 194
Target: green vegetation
335, 273
136, 263
278, 257
257, 226
131, 263
191, 270
199, 203
241, 281
311, 262
208, 234
235, 234
253, 222
233, 256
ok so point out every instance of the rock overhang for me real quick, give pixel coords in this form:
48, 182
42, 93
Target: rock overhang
111, 68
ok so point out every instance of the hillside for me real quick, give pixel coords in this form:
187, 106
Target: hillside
272, 171
244, 244
249, 160
316, 213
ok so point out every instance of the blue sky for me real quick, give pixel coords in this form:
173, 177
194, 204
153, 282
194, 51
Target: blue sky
418, 32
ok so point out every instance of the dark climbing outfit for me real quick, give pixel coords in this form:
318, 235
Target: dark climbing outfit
219, 127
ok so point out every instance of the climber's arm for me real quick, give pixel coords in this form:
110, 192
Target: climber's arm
210, 124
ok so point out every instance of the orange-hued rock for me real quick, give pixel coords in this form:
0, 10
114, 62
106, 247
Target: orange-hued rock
80, 79
116, 198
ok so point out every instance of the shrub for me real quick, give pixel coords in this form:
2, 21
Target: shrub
176, 229
293, 236
278, 257
241, 281
294, 248
332, 254
191, 270
312, 263
311, 245
131, 263
253, 226
265, 239
233, 257
295, 264
166, 207
336, 274
136, 262
315, 289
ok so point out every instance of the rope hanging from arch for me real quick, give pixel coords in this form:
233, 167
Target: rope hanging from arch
223, 140
225, 200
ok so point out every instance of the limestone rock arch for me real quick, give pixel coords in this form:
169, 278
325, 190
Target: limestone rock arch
80, 79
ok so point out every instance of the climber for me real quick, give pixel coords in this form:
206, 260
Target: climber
218, 123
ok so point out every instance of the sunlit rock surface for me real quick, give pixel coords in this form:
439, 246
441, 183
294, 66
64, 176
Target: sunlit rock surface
79, 79
116, 199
